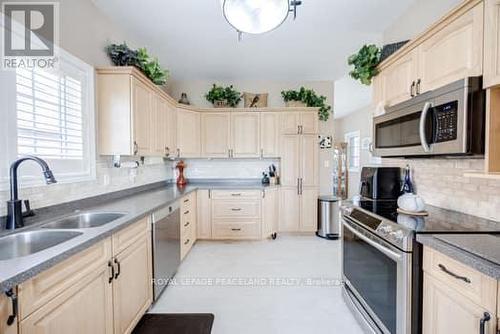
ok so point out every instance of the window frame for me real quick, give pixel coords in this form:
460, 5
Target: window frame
73, 67
348, 136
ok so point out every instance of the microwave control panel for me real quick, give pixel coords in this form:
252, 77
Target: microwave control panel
446, 118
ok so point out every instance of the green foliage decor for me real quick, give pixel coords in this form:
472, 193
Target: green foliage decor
365, 63
310, 99
122, 55
227, 94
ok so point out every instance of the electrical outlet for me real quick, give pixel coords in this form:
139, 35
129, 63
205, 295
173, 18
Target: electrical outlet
326, 163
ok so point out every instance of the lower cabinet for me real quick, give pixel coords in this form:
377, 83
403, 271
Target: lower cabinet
188, 223
457, 298
270, 212
203, 213
5, 312
104, 289
298, 209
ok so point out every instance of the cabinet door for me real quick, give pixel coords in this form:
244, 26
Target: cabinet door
159, 126
398, 79
309, 155
188, 133
269, 134
5, 312
492, 43
445, 310
142, 110
171, 144
289, 211
270, 209
245, 134
204, 217
378, 91
309, 122
85, 308
215, 135
290, 122
309, 209
132, 288
454, 52
290, 160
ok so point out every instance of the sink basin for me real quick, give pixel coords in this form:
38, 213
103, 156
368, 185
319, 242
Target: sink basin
26, 243
85, 220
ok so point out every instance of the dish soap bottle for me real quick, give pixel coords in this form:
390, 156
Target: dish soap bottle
407, 187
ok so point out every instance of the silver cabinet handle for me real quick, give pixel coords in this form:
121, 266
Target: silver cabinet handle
301, 127
178, 153
418, 87
186, 225
236, 229
167, 151
298, 186
186, 200
262, 153
298, 129
412, 88
236, 209
236, 194
186, 212
186, 242
482, 323
452, 274
422, 132
136, 148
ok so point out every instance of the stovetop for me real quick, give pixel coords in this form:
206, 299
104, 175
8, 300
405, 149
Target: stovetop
381, 217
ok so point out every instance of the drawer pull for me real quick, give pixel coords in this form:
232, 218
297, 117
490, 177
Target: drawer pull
236, 195
236, 209
110, 265
186, 242
186, 225
486, 317
13, 297
452, 274
186, 200
236, 229
186, 212
118, 268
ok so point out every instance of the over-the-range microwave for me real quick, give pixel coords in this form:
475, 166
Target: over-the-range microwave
449, 121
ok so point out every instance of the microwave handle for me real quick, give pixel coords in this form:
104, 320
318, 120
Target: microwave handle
423, 135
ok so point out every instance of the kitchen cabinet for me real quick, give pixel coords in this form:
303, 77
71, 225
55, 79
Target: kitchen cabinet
492, 43
160, 131
456, 297
308, 209
188, 134
142, 110
269, 134
309, 157
298, 122
188, 223
270, 212
5, 312
204, 215
171, 143
289, 209
215, 134
290, 160
454, 52
245, 135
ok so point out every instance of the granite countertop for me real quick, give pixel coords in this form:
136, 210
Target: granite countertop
136, 203
479, 251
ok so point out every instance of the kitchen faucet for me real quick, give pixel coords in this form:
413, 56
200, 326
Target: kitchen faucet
15, 213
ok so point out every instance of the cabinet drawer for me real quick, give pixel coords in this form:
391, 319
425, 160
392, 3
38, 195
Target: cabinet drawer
187, 229
187, 242
129, 235
47, 285
479, 288
243, 230
242, 209
236, 194
188, 202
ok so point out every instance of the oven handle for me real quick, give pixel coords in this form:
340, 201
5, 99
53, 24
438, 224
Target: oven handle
386, 251
423, 135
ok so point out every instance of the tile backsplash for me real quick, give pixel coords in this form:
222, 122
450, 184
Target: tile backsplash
441, 182
108, 179
227, 169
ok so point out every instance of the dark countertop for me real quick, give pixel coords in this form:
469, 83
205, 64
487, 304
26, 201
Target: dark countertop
136, 203
479, 251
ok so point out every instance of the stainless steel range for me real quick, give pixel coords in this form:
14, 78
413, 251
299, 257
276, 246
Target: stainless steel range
382, 269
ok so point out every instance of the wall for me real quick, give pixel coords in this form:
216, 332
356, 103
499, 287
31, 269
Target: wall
85, 32
196, 90
228, 169
417, 18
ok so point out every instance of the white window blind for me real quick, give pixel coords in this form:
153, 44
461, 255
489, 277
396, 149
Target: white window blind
353, 150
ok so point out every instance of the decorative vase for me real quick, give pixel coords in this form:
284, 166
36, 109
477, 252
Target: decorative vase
184, 99
181, 180
221, 104
295, 104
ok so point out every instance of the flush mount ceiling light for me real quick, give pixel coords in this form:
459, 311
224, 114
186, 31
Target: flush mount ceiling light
258, 16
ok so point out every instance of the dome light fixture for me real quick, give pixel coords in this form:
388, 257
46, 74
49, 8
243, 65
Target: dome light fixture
258, 16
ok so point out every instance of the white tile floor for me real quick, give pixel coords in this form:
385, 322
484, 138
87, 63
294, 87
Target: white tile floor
241, 309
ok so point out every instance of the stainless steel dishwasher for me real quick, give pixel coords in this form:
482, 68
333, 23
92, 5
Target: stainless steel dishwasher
166, 246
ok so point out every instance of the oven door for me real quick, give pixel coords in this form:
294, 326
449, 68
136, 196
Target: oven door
377, 276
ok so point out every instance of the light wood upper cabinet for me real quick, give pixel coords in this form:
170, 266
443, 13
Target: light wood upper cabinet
188, 133
309, 123
245, 134
132, 289
492, 43
171, 143
454, 52
269, 134
297, 122
5, 312
290, 122
215, 134
142, 111
399, 80
160, 131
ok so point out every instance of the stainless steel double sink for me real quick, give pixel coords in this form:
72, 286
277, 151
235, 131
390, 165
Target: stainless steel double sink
53, 233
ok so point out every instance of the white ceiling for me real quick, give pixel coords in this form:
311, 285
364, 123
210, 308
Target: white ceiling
194, 41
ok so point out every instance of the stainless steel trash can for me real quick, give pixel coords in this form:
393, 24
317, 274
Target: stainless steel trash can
328, 217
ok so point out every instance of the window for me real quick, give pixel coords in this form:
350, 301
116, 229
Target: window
353, 150
50, 114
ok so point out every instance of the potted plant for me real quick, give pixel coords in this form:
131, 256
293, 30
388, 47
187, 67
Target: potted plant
365, 63
122, 55
222, 97
309, 98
